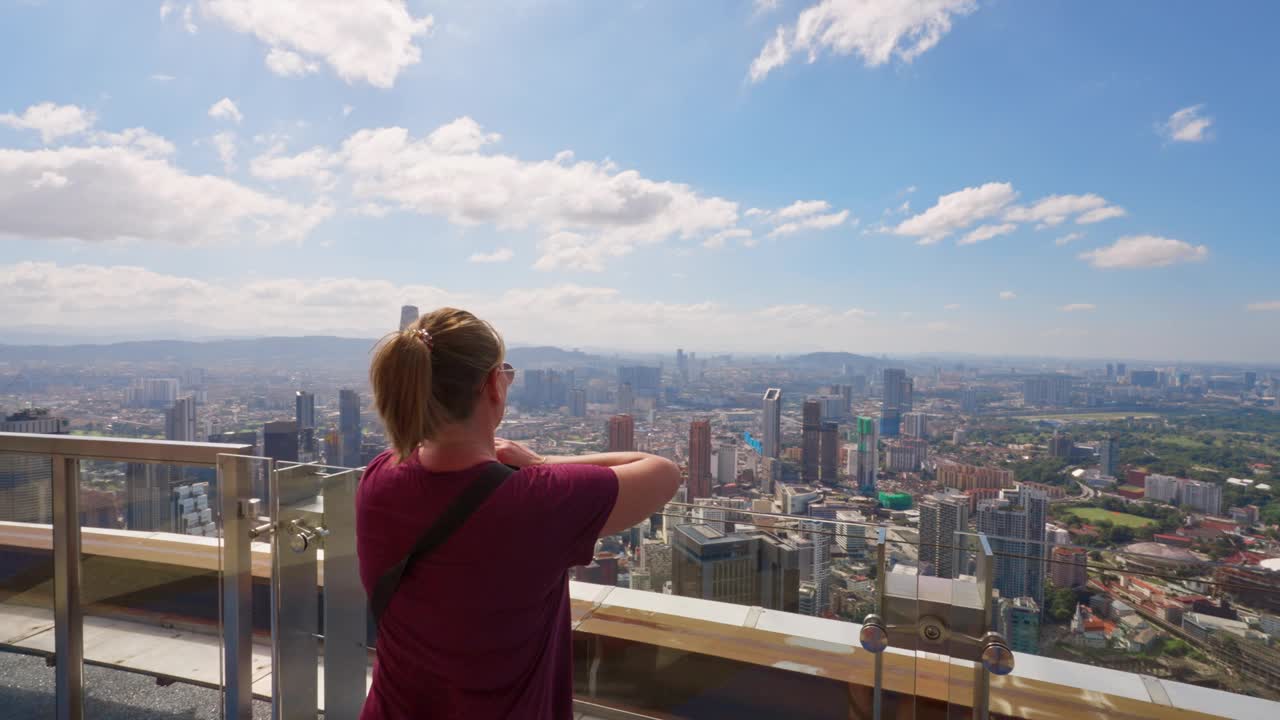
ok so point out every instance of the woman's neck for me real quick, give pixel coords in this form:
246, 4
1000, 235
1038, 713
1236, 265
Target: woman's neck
457, 450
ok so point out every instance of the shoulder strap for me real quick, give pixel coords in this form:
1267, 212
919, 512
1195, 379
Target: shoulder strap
449, 521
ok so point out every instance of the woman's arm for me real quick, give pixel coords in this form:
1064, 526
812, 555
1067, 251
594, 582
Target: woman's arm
645, 482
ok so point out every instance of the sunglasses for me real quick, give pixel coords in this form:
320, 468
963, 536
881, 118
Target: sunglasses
509, 370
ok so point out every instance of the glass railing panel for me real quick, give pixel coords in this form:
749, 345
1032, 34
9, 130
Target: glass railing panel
149, 575
26, 583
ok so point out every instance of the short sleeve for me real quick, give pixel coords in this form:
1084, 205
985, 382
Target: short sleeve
572, 503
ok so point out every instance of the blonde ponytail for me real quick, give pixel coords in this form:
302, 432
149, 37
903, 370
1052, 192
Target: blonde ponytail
430, 374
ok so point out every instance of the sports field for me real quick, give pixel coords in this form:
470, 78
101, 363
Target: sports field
1094, 516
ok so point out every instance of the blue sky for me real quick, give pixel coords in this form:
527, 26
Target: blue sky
648, 175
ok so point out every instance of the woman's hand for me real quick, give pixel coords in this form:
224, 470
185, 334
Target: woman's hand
515, 454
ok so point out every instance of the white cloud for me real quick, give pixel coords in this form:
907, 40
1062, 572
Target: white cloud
161, 77
188, 21
287, 63
1008, 295
873, 30
225, 144
126, 191
813, 222
1266, 306
589, 212
957, 210
497, 256
1145, 251
951, 306
166, 7
370, 41
764, 6
986, 232
803, 208
346, 110
315, 165
1068, 238
145, 141
1079, 307
225, 109
1188, 125
50, 120
1055, 209
859, 313
719, 239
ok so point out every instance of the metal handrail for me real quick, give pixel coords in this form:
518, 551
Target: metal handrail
86, 447
65, 453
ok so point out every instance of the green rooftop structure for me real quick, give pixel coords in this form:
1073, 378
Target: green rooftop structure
895, 500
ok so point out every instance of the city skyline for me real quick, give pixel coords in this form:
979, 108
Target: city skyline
958, 178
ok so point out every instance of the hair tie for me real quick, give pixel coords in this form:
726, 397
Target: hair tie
425, 337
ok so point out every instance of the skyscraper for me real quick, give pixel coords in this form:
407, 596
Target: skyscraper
772, 421
700, 459
1020, 624
969, 401
820, 571
180, 420
1016, 533
408, 315
26, 481
829, 451
809, 441
915, 425
622, 434
727, 463
304, 409
941, 517
1121, 370
280, 440
578, 402
149, 497
1109, 455
682, 365
1250, 379
626, 398
867, 456
349, 427
894, 382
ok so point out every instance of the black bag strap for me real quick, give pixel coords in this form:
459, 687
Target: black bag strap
441, 530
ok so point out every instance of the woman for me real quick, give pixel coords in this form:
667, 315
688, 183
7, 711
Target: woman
479, 628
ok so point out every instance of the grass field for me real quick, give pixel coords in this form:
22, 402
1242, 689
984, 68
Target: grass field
1095, 515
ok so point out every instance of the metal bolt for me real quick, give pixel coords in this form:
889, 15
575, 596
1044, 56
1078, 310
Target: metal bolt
873, 636
997, 658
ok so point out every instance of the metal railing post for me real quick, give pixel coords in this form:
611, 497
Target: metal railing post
68, 616
238, 517
882, 583
346, 661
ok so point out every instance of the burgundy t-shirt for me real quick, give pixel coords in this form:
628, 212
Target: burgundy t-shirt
480, 628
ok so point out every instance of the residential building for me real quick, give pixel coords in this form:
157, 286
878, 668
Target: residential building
578, 402
1020, 624
1016, 533
1069, 567
1109, 455
942, 516
970, 477
914, 424
622, 434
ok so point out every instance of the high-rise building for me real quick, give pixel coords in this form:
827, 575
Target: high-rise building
1111, 371
626, 399
772, 420
906, 454
867, 455
829, 451
644, 381
1109, 456
1121, 370
748, 568
622, 433
819, 534
1203, 496
727, 463
851, 533
970, 477
149, 497
349, 427
304, 413
1250, 379
915, 425
894, 382
1020, 624
180, 420
1017, 537
1144, 378
578, 403
810, 429
682, 365
280, 440
1061, 445
26, 481
941, 517
408, 316
846, 398
700, 459
152, 392
1162, 488
1069, 566
969, 401
1047, 390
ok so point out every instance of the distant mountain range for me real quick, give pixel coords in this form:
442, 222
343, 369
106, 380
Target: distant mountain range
309, 351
